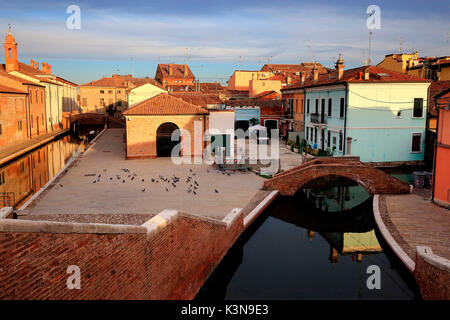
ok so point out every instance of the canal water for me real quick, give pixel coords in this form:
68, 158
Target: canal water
24, 176
318, 244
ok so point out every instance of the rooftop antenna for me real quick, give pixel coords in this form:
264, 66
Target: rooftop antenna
309, 48
186, 60
369, 61
131, 65
446, 40
9, 29
240, 62
364, 56
400, 49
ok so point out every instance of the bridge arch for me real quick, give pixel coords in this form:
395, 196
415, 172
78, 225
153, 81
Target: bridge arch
374, 181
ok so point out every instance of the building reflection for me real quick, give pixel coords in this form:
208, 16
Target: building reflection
25, 176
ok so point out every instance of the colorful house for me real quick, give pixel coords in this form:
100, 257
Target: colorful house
374, 113
441, 171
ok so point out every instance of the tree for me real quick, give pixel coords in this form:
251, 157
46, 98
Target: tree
254, 121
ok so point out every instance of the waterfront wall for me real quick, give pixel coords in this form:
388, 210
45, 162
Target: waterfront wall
432, 274
168, 257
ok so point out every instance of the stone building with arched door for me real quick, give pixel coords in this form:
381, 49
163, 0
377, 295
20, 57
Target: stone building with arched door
150, 124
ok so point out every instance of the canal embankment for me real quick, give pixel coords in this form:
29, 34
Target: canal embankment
418, 233
131, 251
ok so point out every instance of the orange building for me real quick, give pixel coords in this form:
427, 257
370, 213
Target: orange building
441, 172
174, 75
13, 115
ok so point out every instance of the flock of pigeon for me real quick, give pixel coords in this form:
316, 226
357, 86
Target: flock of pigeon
168, 183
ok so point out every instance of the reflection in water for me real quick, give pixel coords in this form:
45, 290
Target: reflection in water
25, 176
302, 248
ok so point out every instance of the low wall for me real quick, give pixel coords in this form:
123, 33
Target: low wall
168, 257
432, 274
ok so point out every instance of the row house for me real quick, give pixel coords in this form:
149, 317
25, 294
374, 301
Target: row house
171, 74
441, 171
112, 94
374, 113
48, 96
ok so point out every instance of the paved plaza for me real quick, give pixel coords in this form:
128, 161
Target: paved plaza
418, 222
104, 182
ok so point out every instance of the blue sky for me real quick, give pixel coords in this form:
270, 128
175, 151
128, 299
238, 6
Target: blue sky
220, 36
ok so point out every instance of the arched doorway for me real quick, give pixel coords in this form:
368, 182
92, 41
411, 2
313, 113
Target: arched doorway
270, 125
164, 143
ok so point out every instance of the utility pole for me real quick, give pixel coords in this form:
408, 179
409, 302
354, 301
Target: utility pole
369, 61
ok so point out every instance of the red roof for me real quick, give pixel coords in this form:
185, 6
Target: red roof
436, 88
11, 90
177, 70
198, 98
164, 104
356, 75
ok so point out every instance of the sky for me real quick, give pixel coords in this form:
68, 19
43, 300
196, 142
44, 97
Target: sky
217, 37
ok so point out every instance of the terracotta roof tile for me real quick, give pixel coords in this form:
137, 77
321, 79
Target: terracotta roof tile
198, 98
356, 75
177, 70
11, 90
435, 89
164, 104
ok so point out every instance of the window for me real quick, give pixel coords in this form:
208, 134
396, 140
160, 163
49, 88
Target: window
317, 106
84, 102
399, 114
19, 125
110, 91
42, 96
2, 178
418, 108
416, 143
102, 101
329, 139
342, 108
118, 91
36, 96
22, 167
340, 141
330, 106
315, 134
334, 140
307, 133
102, 91
323, 106
307, 106
119, 103
31, 96
302, 107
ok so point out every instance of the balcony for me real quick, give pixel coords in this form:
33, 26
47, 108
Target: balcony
318, 118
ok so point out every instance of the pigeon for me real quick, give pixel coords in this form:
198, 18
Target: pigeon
216, 191
60, 185
94, 181
228, 174
153, 180
196, 183
142, 180
195, 192
99, 175
132, 178
190, 170
123, 181
174, 185
188, 190
143, 190
195, 187
110, 178
207, 170
167, 189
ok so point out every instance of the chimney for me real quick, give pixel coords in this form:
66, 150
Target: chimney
303, 75
32, 63
185, 70
340, 67
170, 70
288, 80
46, 68
315, 73
366, 74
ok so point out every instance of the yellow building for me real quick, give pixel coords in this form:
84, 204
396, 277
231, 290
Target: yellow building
240, 79
143, 92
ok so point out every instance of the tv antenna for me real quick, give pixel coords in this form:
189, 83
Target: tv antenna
400, 48
369, 61
308, 45
186, 60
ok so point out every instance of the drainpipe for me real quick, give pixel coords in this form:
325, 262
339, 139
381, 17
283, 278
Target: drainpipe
435, 149
345, 118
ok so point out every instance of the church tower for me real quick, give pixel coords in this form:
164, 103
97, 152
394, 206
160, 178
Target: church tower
10, 45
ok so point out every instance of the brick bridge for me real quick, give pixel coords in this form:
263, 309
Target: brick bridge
97, 119
371, 179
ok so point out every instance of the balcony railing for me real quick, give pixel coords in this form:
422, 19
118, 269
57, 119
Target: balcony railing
318, 118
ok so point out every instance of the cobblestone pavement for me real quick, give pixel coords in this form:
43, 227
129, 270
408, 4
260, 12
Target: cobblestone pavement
98, 184
414, 220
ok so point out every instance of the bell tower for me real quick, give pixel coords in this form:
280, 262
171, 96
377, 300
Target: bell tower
10, 45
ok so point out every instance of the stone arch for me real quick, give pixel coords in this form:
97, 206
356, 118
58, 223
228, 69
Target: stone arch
164, 143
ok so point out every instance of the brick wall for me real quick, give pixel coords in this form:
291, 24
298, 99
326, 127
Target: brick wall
12, 110
373, 180
116, 262
432, 274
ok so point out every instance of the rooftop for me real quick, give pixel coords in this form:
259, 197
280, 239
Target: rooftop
164, 104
